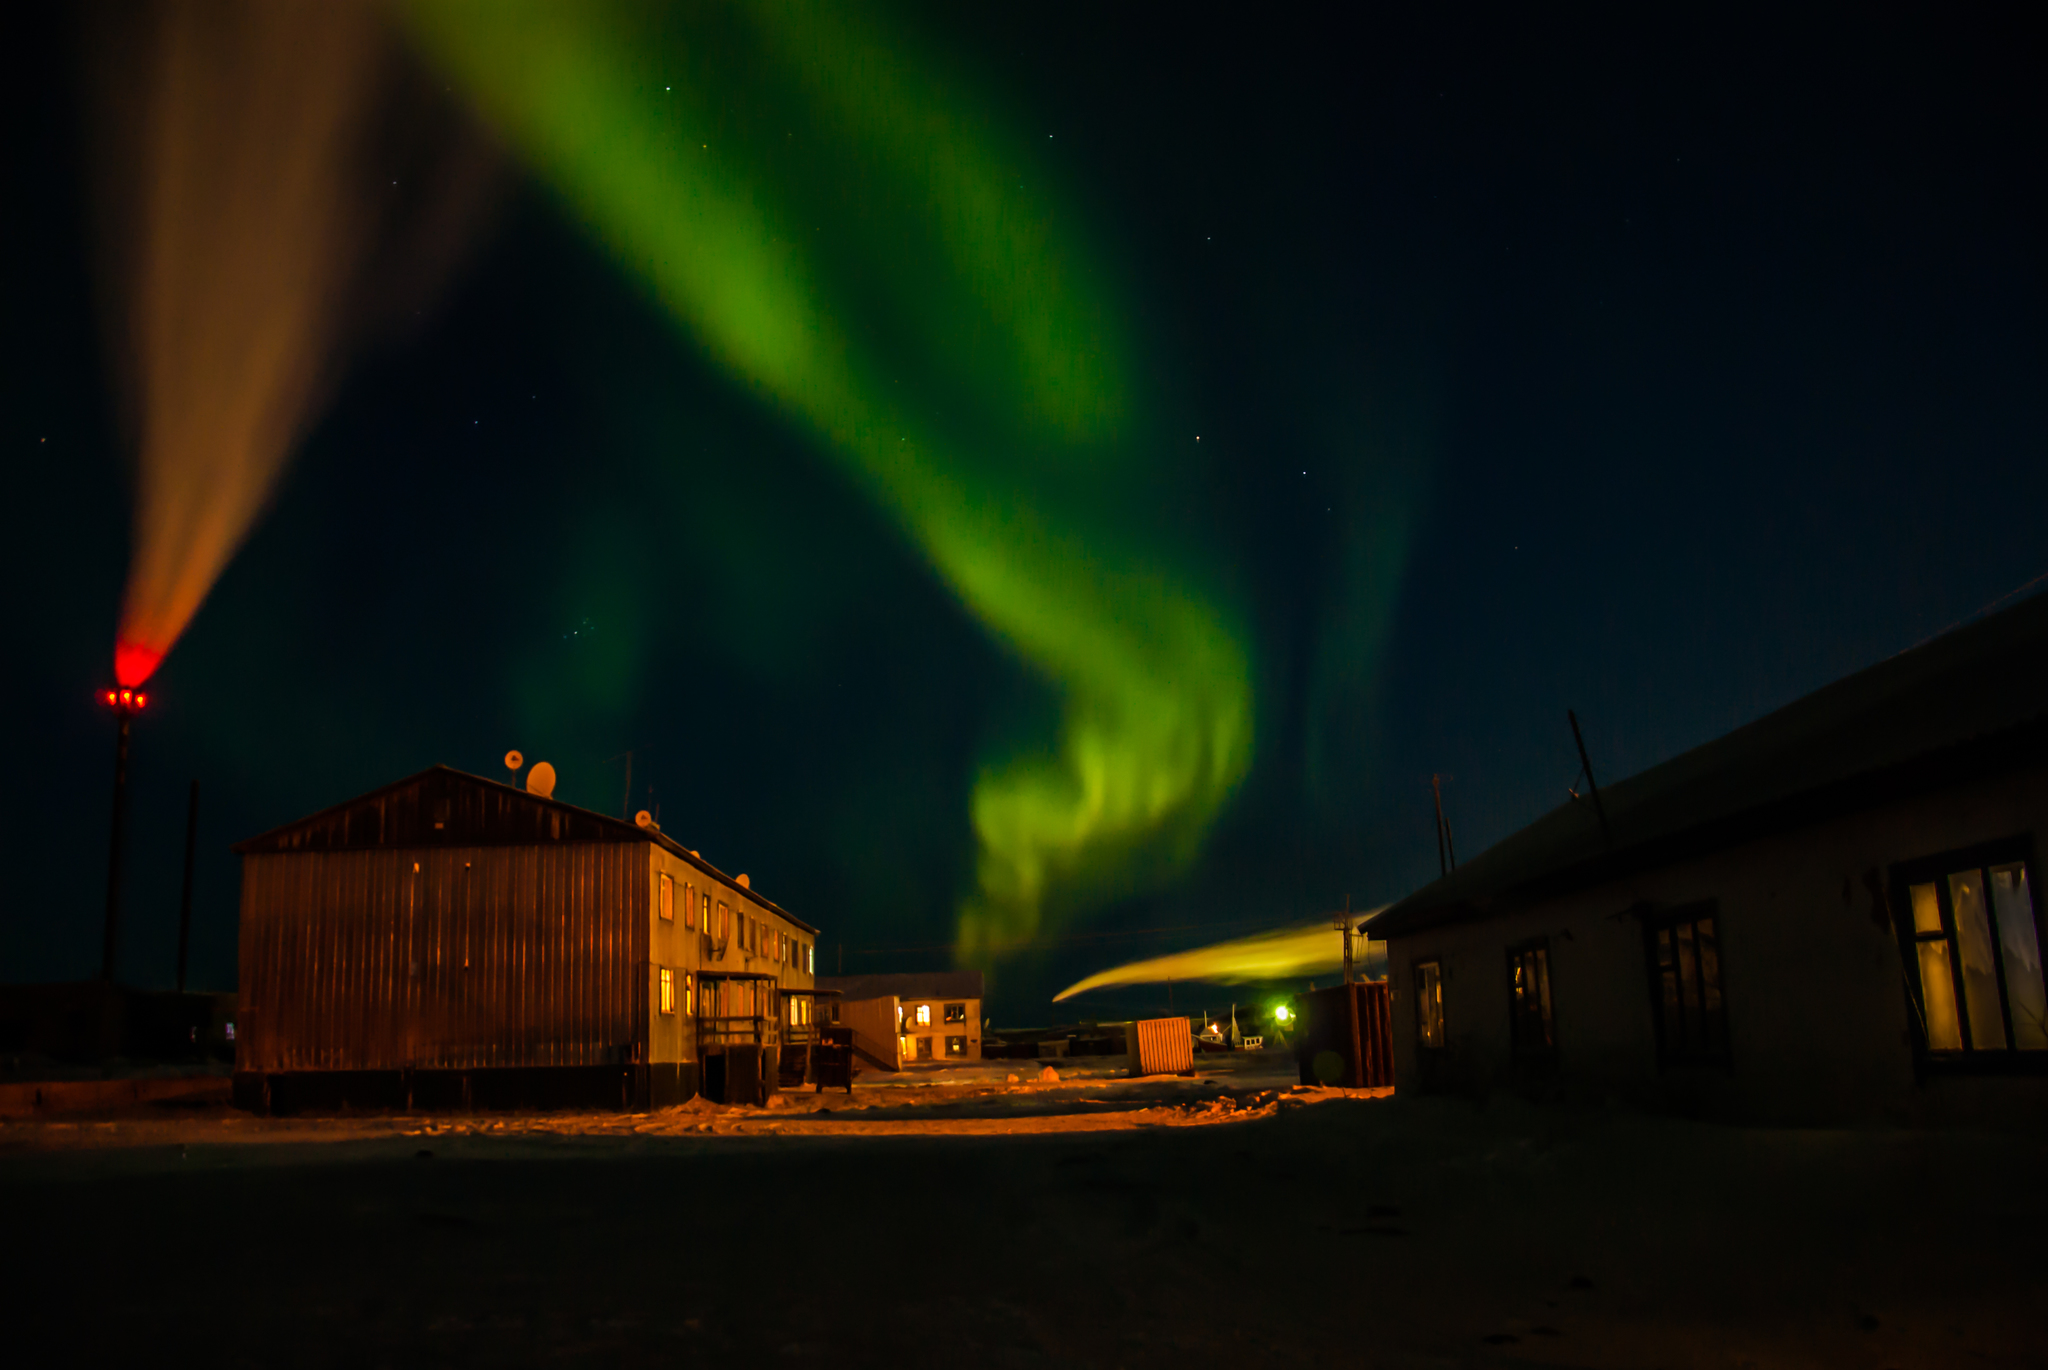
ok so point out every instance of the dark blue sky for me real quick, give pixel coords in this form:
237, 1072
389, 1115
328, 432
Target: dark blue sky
1659, 369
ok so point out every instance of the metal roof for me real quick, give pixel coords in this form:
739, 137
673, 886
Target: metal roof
936, 984
1968, 704
444, 807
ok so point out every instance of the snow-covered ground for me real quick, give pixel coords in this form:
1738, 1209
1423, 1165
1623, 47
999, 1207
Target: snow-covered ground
970, 1222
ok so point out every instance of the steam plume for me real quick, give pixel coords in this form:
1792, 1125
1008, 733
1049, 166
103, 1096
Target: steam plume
1285, 953
236, 176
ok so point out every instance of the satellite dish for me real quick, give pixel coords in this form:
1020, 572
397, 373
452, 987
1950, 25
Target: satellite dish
744, 883
513, 761
541, 780
643, 819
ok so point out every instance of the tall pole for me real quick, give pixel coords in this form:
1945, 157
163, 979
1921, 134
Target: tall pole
185, 899
114, 844
1592, 785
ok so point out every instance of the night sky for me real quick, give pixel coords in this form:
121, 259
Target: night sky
1659, 369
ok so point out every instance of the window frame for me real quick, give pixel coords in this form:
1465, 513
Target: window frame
951, 1039
2009, 1059
668, 898
1519, 1045
1657, 920
668, 991
956, 1013
1422, 1001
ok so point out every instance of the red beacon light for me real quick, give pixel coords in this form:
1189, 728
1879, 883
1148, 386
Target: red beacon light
124, 700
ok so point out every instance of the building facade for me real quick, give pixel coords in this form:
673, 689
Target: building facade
451, 941
1832, 914
938, 1013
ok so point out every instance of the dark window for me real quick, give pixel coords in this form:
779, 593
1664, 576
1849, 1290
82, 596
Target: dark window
1685, 985
1429, 1004
956, 1013
956, 1046
668, 898
924, 1048
1529, 997
1970, 928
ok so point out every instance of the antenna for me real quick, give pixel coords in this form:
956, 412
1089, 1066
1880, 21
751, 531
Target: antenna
541, 780
1446, 849
1592, 785
513, 761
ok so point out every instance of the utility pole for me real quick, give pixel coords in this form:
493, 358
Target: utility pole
125, 703
185, 900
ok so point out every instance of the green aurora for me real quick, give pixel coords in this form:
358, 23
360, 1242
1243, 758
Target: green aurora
881, 262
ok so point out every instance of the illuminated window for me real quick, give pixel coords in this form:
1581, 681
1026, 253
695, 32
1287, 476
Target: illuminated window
689, 993
668, 898
707, 911
1970, 930
668, 990
924, 1048
923, 1018
689, 909
1685, 985
956, 1046
810, 959
1429, 1004
956, 1013
1529, 998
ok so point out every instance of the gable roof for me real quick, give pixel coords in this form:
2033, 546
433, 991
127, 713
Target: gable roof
1969, 704
444, 807
935, 984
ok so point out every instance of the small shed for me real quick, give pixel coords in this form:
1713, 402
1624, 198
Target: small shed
1832, 913
449, 941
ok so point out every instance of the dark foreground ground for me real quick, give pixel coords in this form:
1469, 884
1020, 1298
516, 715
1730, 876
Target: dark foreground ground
1322, 1230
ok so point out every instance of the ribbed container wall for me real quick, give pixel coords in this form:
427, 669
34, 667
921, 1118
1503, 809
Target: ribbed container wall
1162, 1046
444, 958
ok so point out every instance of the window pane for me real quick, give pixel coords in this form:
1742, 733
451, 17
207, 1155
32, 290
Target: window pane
1713, 1032
2013, 902
1542, 959
1980, 972
1667, 990
1926, 910
1688, 971
1938, 994
1429, 1004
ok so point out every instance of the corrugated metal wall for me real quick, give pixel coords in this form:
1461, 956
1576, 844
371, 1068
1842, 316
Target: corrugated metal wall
444, 958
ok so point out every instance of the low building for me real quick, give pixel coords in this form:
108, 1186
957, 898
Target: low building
938, 1012
1832, 913
449, 941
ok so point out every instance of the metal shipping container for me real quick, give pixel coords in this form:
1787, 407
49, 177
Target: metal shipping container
1162, 1046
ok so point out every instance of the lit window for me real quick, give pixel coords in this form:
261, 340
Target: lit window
924, 1016
1529, 997
1685, 986
1974, 946
810, 959
668, 990
956, 1046
956, 1013
1429, 1004
707, 911
668, 898
689, 994
689, 909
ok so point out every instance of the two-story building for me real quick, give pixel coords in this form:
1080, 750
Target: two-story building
449, 941
938, 1012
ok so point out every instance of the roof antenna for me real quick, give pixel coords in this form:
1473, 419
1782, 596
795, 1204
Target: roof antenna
1446, 849
1592, 785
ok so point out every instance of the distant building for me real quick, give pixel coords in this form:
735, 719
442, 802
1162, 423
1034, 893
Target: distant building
1832, 913
451, 941
938, 1013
